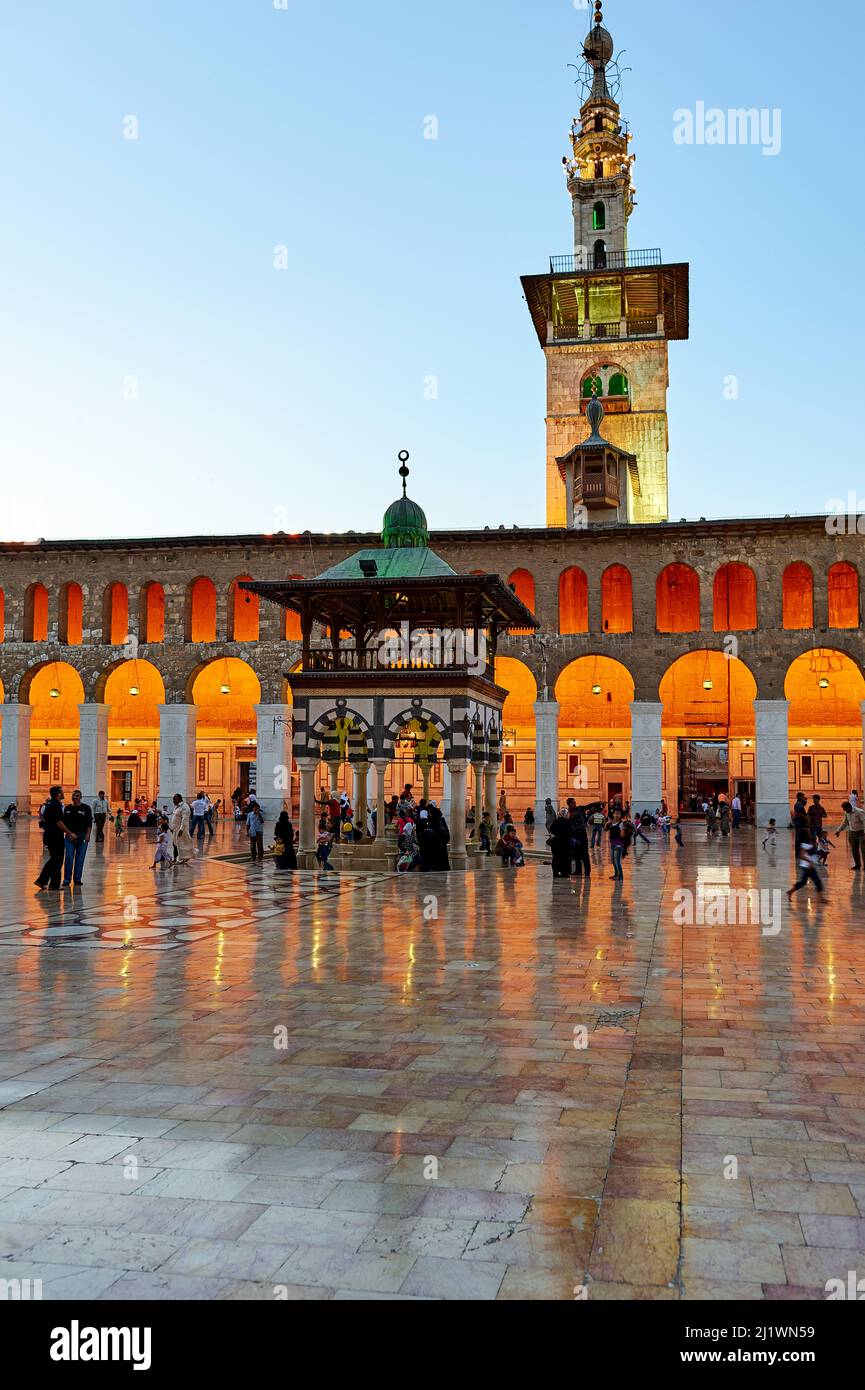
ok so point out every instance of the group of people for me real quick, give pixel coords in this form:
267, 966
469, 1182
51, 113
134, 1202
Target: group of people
570, 829
814, 844
422, 835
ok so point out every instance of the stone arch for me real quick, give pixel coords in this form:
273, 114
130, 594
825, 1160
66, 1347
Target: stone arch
116, 686
55, 690
706, 694
617, 600
797, 586
200, 624
573, 601
224, 690
243, 612
115, 615
677, 595
735, 598
595, 692
610, 382
151, 608
843, 585
826, 689
328, 725
522, 582
421, 712
36, 613
71, 615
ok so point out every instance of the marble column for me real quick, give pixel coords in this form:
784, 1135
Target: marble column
308, 829
773, 754
491, 790
447, 793
361, 796
381, 766
15, 756
546, 757
458, 772
92, 750
177, 751
478, 793
647, 771
273, 759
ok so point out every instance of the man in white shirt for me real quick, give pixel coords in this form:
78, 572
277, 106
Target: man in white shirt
736, 807
101, 810
854, 799
199, 809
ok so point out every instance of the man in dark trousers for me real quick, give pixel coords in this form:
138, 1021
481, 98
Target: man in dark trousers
579, 818
55, 833
79, 819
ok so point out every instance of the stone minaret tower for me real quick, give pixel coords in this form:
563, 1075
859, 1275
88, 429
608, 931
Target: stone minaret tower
604, 317
599, 175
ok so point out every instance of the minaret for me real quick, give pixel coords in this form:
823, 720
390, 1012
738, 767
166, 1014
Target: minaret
604, 317
599, 174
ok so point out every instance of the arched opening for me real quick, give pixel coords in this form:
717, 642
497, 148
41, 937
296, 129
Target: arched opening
54, 690
599, 168
826, 689
599, 217
243, 613
517, 779
678, 599
115, 615
71, 629
708, 727
573, 602
225, 693
36, 614
523, 585
152, 621
201, 611
600, 255
843, 596
617, 600
133, 692
735, 599
592, 386
798, 597
595, 695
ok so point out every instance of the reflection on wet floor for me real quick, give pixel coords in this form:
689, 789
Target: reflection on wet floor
222, 1079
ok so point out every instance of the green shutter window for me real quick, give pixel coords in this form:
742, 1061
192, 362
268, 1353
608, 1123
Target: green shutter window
618, 384
592, 386
599, 218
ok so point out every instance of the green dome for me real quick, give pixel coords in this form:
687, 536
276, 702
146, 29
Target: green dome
405, 525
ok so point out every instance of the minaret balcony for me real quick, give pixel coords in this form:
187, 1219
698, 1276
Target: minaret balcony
575, 332
614, 260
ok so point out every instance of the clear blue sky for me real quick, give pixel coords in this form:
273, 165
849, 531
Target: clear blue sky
278, 399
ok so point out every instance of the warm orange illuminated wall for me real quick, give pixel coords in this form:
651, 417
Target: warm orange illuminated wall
617, 600
727, 709
678, 599
573, 602
202, 611
230, 713
581, 708
130, 711
153, 614
735, 599
517, 679
62, 712
72, 615
244, 613
798, 597
36, 614
291, 621
116, 615
826, 690
843, 596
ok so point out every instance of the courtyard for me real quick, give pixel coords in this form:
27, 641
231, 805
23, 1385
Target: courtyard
224, 1082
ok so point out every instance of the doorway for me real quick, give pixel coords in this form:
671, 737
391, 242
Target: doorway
704, 772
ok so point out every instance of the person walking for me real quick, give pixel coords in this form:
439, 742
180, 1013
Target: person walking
198, 810
101, 812
549, 815
737, 811
163, 855
442, 835
79, 820
616, 834
255, 830
561, 844
724, 818
324, 843
55, 833
816, 817
808, 867
800, 819
854, 824
180, 836
598, 821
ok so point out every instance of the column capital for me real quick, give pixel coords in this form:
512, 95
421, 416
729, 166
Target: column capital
546, 707
95, 710
380, 764
458, 765
307, 764
273, 710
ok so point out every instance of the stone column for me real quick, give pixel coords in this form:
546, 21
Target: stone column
646, 765
381, 766
273, 759
478, 792
773, 752
447, 793
491, 797
177, 751
458, 772
361, 796
546, 757
308, 768
15, 757
92, 750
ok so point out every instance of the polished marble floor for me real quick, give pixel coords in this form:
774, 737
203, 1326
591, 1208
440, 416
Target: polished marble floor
225, 1083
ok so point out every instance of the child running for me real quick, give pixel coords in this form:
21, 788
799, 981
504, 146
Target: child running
163, 847
771, 834
808, 866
